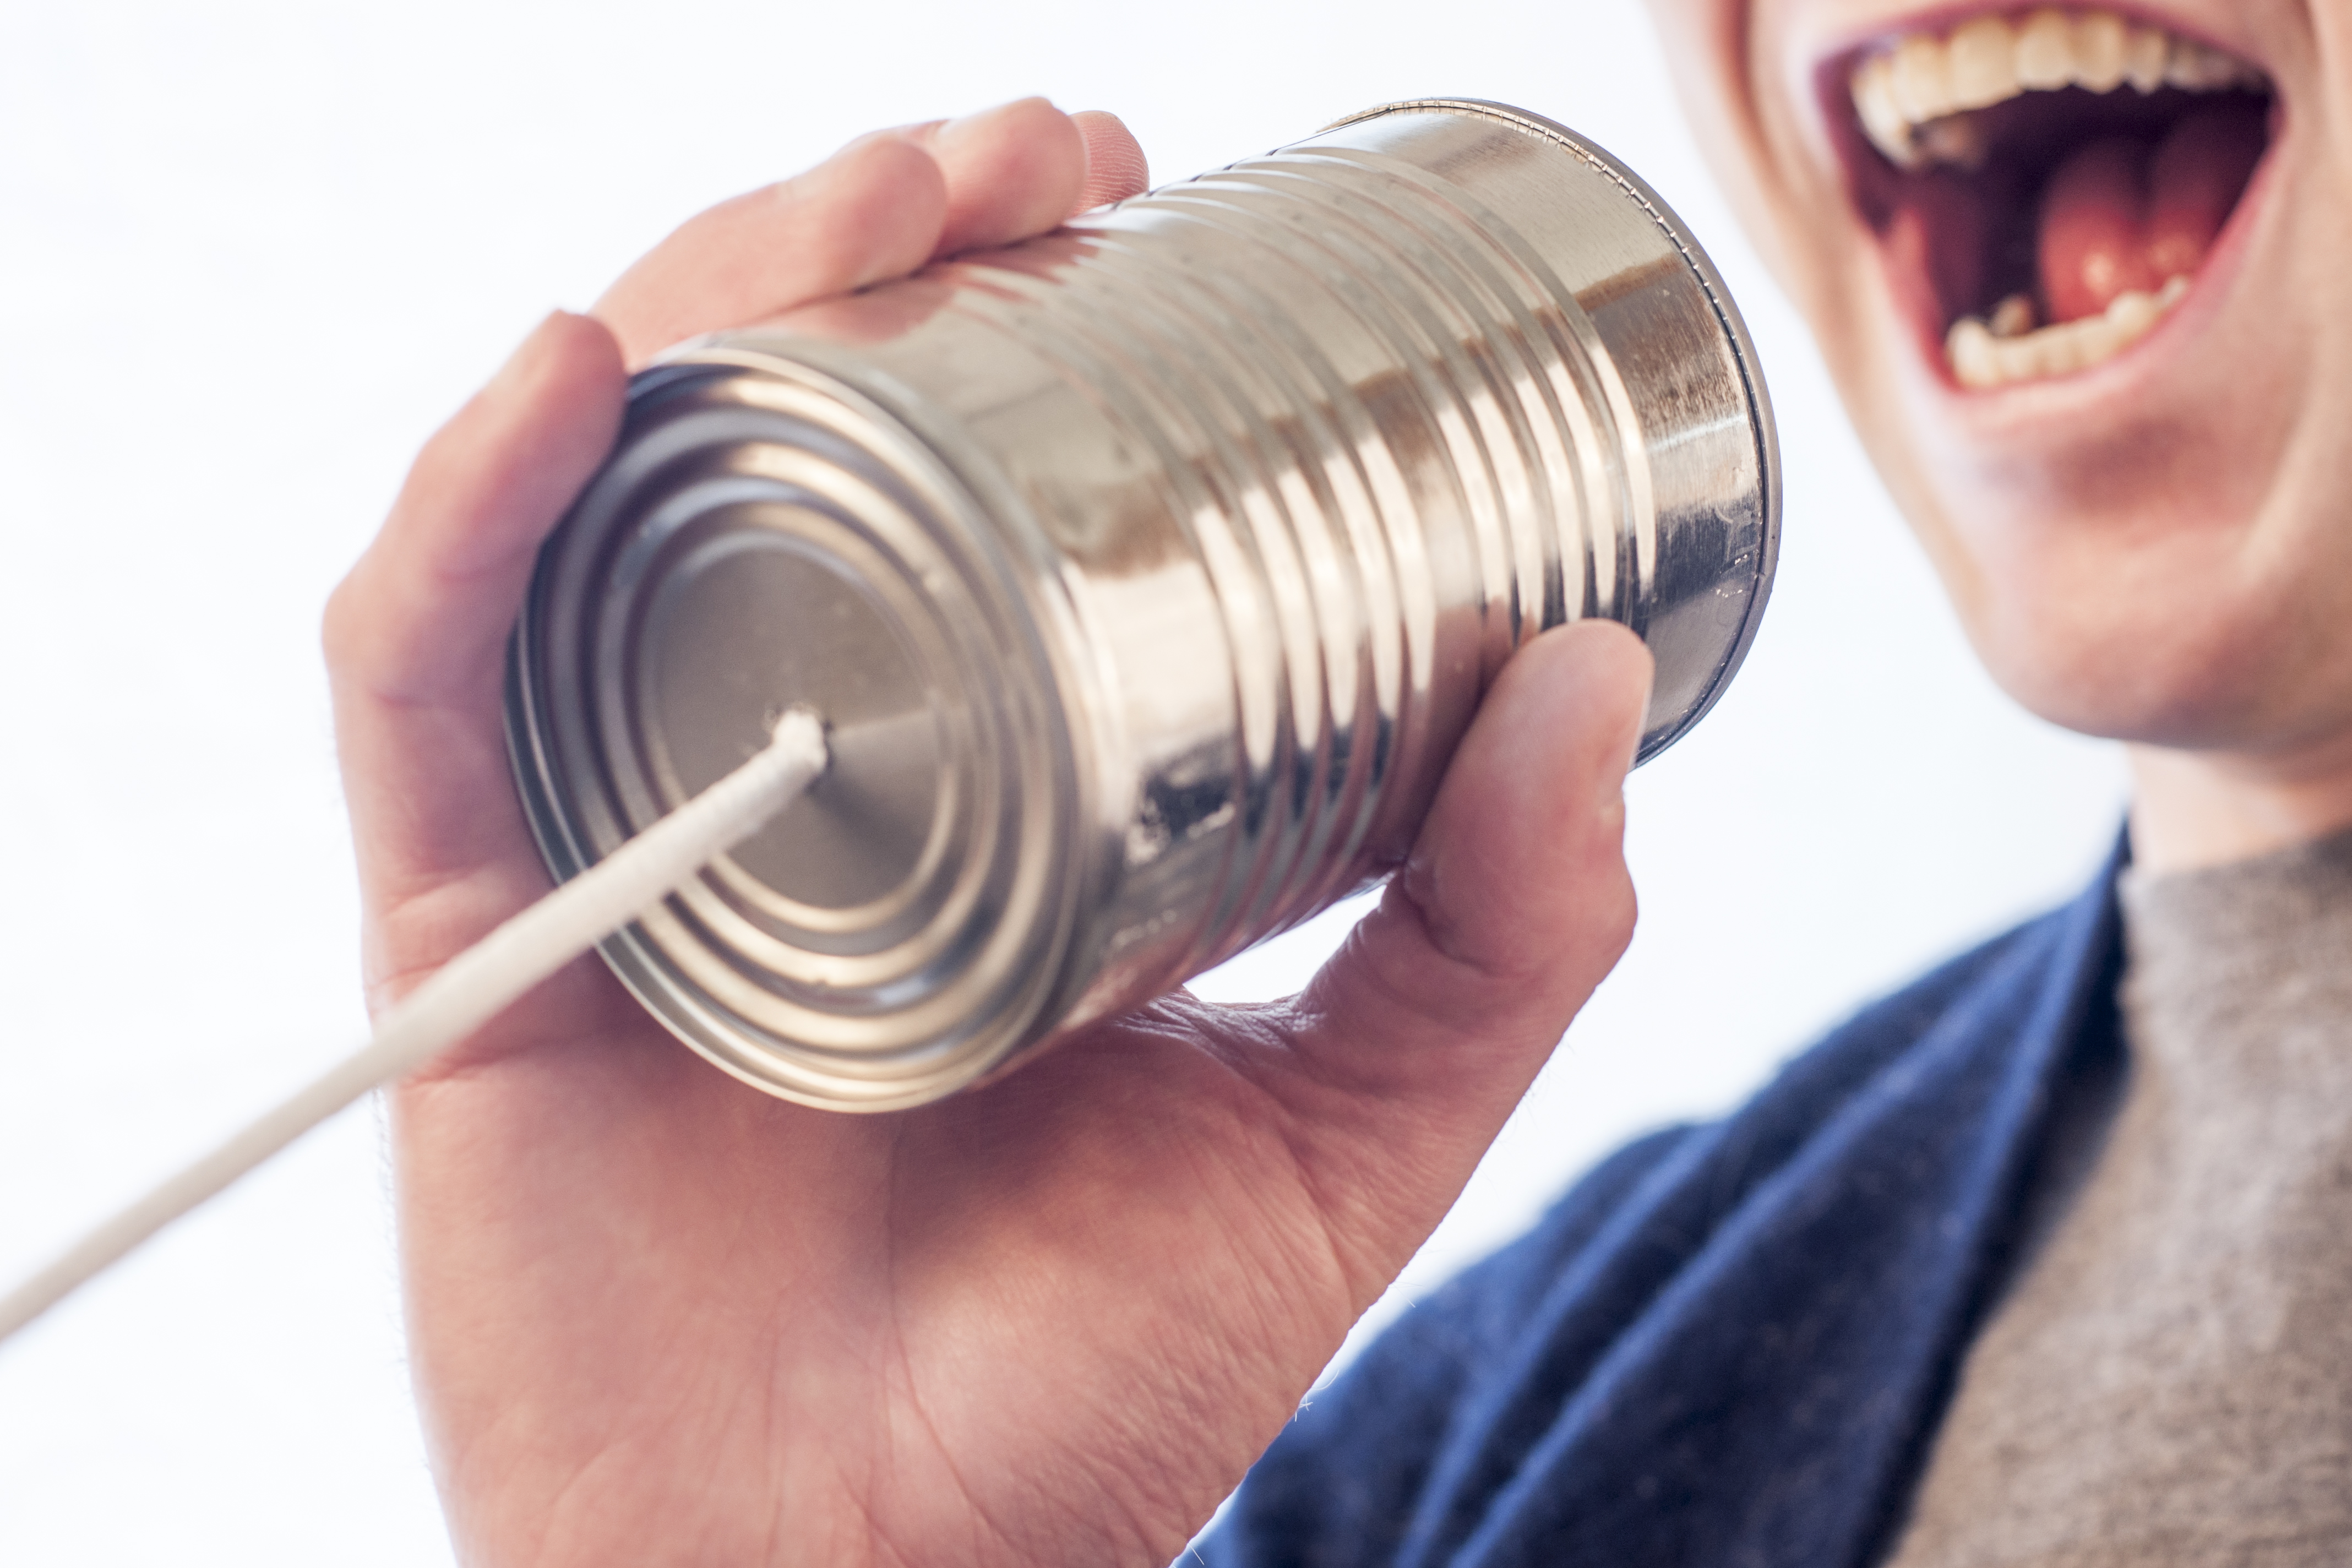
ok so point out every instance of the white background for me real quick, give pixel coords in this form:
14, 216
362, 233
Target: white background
250, 255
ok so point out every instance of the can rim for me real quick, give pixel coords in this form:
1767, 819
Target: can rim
1764, 427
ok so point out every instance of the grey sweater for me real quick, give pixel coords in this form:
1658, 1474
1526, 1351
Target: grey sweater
2168, 1379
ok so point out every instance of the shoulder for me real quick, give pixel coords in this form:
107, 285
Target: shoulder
1492, 1302
1346, 1482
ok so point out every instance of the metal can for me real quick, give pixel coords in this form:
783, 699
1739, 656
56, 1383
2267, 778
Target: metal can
1147, 575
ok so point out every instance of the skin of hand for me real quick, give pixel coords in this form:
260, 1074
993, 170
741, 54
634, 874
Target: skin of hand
657, 1317
2154, 551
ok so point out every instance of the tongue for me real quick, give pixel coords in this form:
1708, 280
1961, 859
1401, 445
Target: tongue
2117, 216
2094, 218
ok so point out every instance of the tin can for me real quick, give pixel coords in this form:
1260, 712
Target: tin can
1145, 574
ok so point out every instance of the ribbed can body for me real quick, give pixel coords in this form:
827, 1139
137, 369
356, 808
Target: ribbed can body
1148, 573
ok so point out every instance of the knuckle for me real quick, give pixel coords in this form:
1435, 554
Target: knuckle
341, 623
1619, 912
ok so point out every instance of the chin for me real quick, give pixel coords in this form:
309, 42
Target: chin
2140, 668
2079, 275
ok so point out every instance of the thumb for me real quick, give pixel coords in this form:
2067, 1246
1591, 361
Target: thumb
1409, 1049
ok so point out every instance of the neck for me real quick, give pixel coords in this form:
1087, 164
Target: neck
2194, 809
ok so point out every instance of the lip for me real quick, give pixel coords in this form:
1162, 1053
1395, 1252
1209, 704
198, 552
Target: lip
2041, 409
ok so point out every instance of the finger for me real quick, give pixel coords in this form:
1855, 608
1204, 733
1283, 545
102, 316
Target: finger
1115, 169
1410, 1047
414, 634
425, 610
1012, 172
874, 210
1515, 901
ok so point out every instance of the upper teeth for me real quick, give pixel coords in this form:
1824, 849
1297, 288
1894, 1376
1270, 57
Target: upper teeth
1925, 77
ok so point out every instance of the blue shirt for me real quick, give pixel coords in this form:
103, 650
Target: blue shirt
1729, 1344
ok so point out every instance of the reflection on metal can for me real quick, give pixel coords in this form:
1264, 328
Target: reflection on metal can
1147, 575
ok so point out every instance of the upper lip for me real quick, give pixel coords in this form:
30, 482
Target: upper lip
1870, 181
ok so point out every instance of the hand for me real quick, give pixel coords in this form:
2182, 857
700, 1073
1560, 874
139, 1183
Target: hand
657, 1317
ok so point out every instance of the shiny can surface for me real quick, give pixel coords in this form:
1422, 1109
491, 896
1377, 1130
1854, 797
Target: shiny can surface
1145, 573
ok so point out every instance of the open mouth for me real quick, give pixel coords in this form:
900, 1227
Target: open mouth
2048, 184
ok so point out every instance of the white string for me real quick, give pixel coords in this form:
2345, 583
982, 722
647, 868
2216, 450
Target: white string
466, 993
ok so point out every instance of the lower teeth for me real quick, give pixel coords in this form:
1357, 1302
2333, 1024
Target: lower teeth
2006, 351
